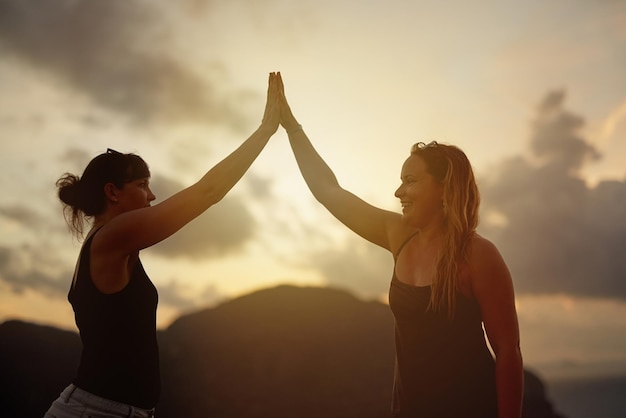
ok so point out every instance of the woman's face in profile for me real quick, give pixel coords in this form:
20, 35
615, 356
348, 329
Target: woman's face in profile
136, 194
419, 193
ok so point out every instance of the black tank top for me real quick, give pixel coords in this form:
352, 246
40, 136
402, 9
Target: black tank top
443, 366
120, 357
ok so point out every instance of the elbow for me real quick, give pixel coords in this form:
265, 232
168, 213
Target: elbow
325, 196
509, 348
214, 195
511, 355
324, 192
320, 196
209, 194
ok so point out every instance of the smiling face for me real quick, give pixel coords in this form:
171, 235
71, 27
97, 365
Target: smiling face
420, 194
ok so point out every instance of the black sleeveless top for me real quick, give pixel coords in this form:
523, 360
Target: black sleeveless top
120, 357
443, 366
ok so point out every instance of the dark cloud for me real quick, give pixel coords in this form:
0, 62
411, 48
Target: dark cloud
30, 221
556, 136
116, 52
222, 229
39, 274
22, 215
560, 235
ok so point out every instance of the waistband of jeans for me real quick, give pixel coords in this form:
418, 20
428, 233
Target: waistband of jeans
89, 399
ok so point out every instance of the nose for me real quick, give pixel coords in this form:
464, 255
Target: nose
399, 191
151, 195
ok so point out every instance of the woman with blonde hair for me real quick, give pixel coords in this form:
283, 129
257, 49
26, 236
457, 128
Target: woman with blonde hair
447, 283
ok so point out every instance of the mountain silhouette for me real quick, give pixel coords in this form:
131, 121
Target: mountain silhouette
281, 352
36, 363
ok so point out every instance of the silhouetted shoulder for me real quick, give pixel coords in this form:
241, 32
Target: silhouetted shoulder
482, 248
485, 263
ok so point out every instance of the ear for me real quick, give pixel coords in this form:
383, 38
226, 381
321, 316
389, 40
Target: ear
111, 192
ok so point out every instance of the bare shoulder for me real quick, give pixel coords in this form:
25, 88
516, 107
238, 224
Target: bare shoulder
482, 249
486, 264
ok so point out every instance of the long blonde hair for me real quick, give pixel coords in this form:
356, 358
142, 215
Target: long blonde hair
461, 199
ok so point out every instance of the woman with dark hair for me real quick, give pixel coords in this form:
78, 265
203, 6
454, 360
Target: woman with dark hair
113, 299
447, 283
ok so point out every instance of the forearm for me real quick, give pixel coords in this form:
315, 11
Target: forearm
218, 181
510, 384
316, 173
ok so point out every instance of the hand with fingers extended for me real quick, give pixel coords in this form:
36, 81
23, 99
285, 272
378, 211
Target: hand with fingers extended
272, 114
287, 120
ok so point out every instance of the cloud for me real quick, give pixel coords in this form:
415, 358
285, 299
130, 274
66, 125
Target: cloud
559, 235
358, 265
28, 267
260, 187
38, 269
22, 223
556, 138
224, 228
22, 215
342, 258
31, 268
118, 53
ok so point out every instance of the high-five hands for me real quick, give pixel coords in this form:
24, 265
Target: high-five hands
287, 120
272, 114
277, 110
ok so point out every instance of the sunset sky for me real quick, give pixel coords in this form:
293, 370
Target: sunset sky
534, 92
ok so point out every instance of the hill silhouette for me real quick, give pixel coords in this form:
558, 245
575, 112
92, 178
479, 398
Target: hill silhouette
281, 352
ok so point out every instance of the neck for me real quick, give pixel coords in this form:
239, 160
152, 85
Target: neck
103, 218
431, 233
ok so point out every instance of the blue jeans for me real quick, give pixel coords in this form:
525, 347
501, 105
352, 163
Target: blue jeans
77, 403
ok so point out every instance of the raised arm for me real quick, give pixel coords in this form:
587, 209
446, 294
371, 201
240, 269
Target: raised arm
369, 222
134, 230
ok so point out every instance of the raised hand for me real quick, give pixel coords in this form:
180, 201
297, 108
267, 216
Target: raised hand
271, 116
287, 120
